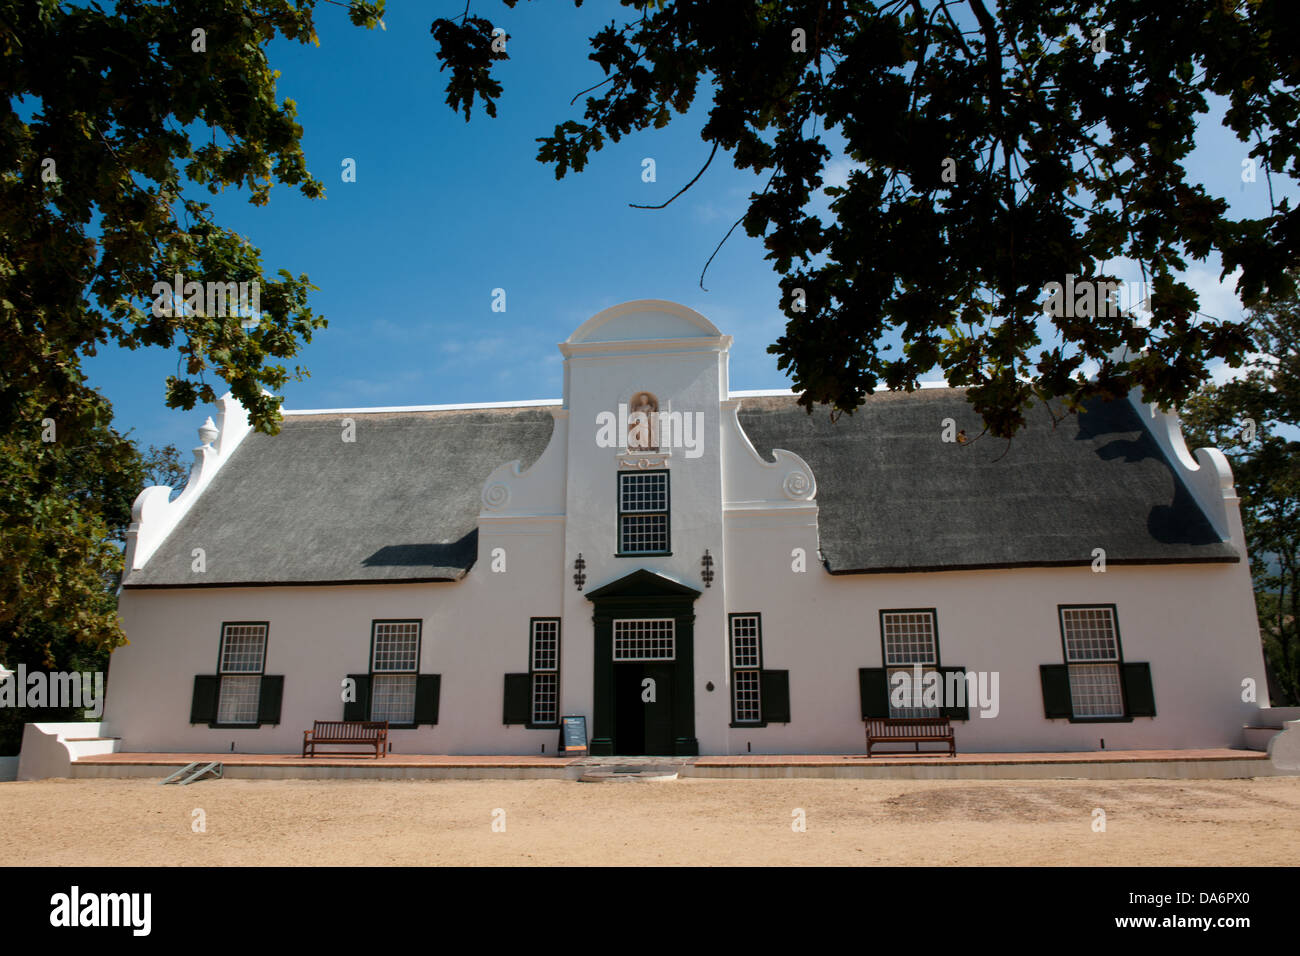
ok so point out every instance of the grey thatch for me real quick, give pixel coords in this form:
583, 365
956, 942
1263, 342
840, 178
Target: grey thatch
894, 497
401, 503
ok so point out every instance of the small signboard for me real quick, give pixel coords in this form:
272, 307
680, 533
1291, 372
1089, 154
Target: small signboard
573, 734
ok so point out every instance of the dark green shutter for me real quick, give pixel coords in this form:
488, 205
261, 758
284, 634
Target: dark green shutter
203, 705
518, 699
959, 687
358, 709
428, 688
1138, 693
873, 692
1056, 690
774, 693
268, 702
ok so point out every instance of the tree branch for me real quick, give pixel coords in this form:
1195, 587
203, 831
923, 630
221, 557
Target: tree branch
713, 153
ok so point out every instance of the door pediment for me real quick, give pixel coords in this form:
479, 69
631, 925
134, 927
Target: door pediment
643, 583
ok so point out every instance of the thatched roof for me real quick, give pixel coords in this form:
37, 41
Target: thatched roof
894, 497
401, 503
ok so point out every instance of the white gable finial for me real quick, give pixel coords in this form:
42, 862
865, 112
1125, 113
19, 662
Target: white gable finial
208, 432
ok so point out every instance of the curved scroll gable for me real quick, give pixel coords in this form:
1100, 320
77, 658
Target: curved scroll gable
1207, 473
154, 515
786, 481
515, 492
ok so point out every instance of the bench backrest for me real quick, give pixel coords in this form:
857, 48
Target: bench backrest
907, 727
350, 729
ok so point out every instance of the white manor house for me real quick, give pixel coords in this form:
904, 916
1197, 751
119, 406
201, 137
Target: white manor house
693, 570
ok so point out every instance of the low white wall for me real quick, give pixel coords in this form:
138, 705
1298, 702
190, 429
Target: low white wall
1275, 716
1284, 748
48, 752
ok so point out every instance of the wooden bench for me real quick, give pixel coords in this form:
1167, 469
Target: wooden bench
346, 732
917, 730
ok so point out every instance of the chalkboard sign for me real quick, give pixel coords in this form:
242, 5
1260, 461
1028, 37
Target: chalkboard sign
573, 734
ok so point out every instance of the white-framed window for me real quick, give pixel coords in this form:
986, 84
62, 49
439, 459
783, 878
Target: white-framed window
1092, 654
645, 639
643, 512
394, 661
746, 664
910, 639
242, 660
544, 666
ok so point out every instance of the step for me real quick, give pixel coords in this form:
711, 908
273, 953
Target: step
640, 773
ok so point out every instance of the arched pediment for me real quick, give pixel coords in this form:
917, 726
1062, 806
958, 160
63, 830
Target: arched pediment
644, 319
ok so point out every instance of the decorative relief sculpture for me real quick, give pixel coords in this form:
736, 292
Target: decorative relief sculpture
797, 485
643, 423
496, 495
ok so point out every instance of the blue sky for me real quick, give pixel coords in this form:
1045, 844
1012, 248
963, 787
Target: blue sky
443, 212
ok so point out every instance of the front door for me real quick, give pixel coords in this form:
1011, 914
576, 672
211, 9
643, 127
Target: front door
643, 657
643, 707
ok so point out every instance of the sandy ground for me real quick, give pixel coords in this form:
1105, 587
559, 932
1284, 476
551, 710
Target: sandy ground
687, 821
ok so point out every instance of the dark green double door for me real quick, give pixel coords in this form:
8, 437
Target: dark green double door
643, 707
625, 720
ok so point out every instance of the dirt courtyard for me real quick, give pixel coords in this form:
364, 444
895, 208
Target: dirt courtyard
682, 822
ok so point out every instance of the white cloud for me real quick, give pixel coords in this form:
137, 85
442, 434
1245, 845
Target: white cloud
1217, 296
1221, 372
836, 172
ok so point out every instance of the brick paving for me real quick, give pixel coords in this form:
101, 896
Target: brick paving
735, 760
325, 760
906, 757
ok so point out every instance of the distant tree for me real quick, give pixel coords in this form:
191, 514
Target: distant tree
1255, 420
162, 466
998, 148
